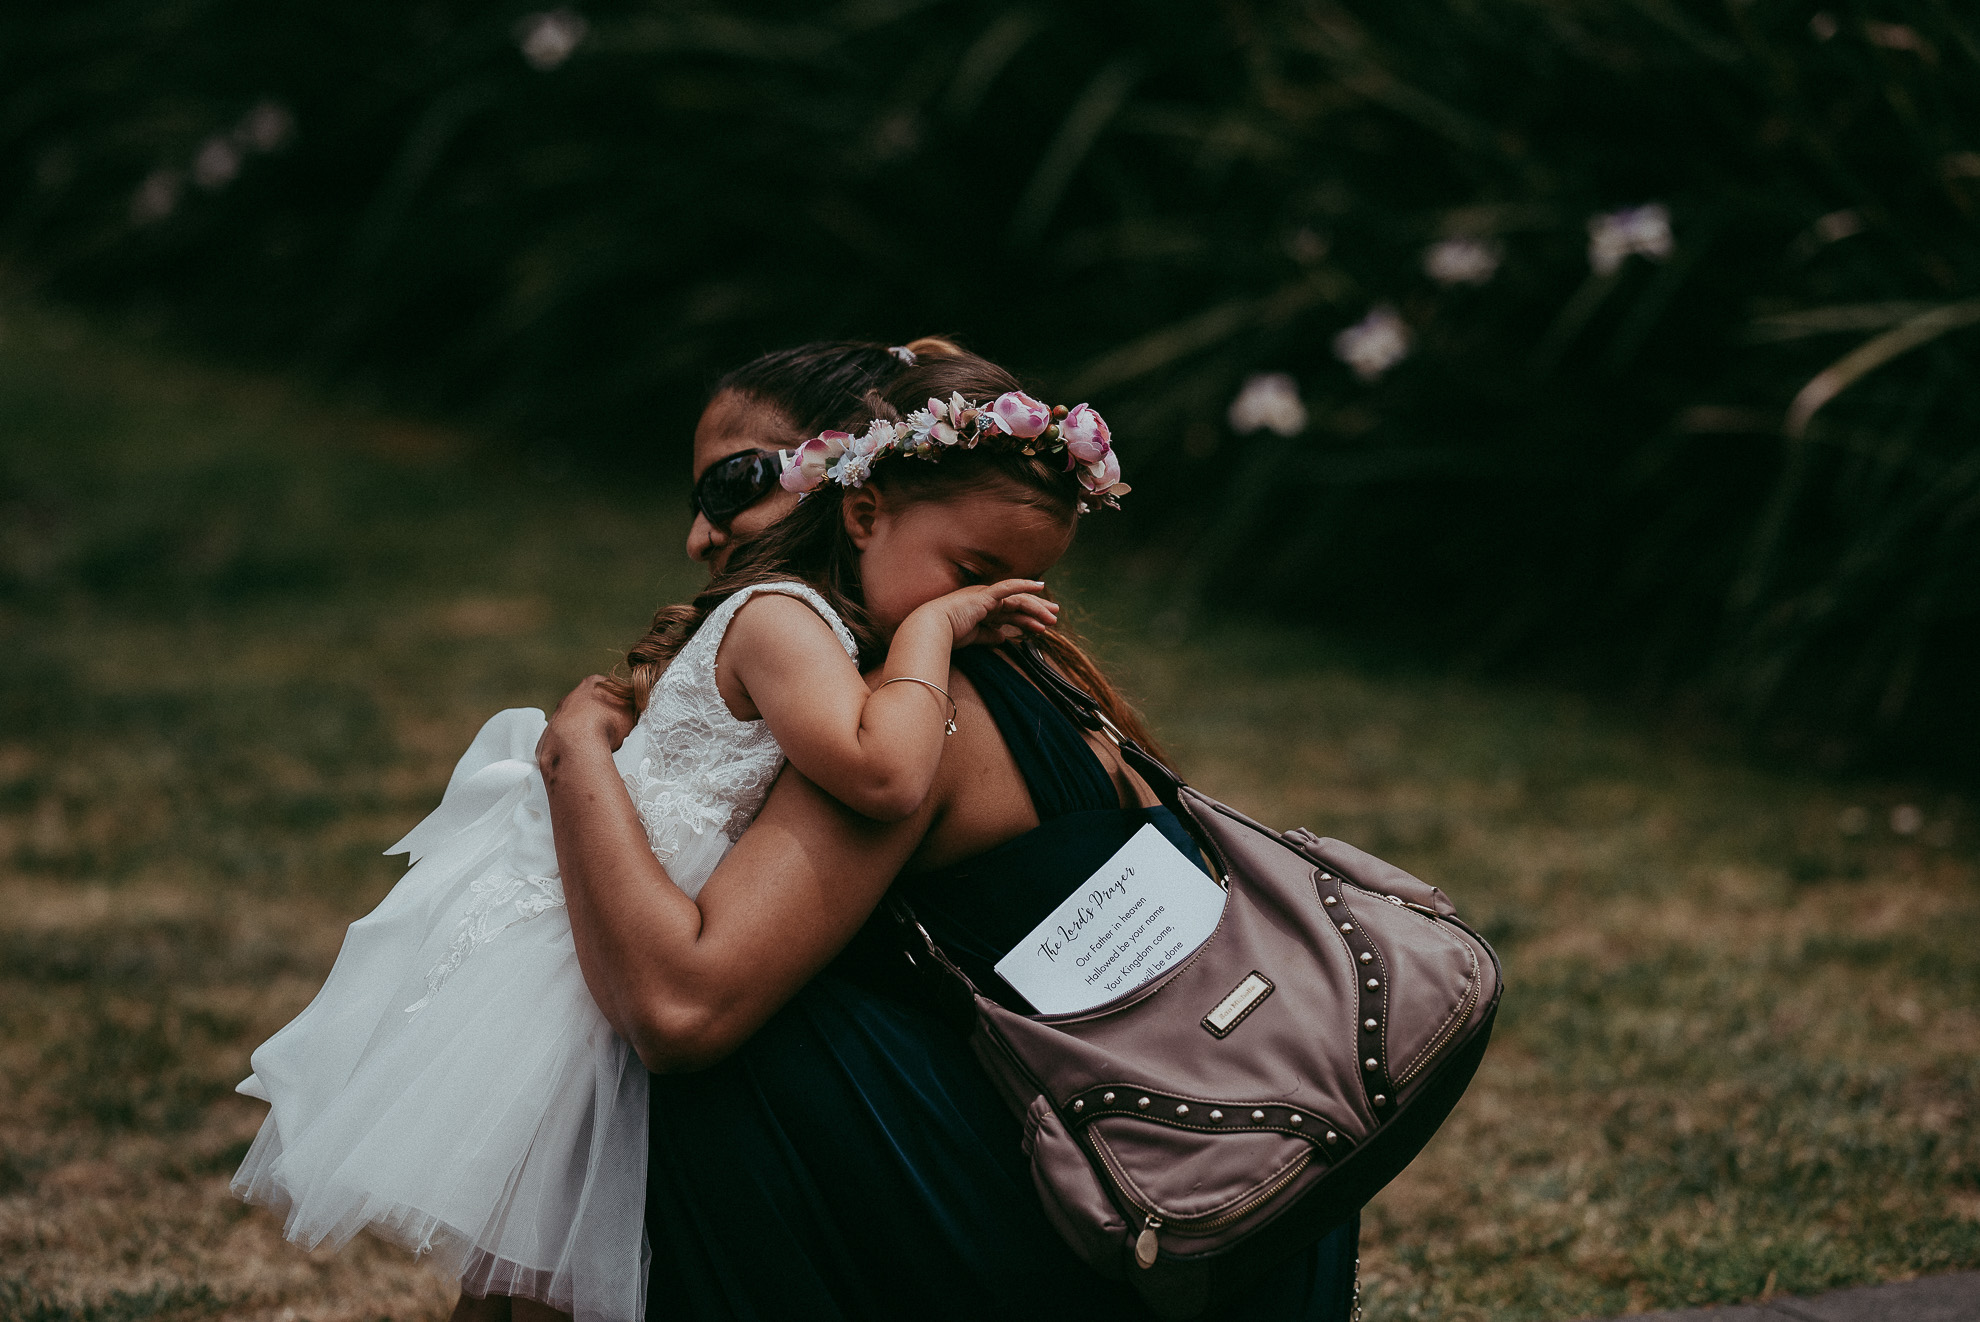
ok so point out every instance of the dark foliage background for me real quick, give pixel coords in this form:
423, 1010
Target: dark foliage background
1621, 476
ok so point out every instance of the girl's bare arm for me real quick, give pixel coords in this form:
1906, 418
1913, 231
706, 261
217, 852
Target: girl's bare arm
875, 749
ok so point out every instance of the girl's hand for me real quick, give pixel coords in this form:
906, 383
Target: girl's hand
588, 715
992, 613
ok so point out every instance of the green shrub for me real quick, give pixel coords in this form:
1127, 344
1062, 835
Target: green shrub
1614, 474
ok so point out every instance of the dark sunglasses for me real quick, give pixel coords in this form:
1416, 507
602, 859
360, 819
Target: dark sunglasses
729, 486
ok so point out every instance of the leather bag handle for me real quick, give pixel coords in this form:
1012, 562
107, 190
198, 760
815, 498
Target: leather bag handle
1082, 710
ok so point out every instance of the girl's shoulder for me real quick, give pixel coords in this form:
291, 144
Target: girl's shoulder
717, 624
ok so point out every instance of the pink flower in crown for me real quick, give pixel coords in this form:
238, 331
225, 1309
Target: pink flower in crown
806, 466
1018, 414
967, 421
1102, 475
941, 428
1086, 436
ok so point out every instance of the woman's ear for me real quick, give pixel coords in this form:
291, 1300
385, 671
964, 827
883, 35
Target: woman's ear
862, 508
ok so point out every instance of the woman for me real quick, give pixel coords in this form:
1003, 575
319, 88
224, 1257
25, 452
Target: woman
831, 1149
768, 405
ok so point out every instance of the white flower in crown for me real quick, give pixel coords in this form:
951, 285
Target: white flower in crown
857, 461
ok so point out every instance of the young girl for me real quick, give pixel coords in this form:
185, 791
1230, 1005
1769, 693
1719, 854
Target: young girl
453, 1087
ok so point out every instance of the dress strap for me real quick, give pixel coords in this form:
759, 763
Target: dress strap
1059, 767
717, 623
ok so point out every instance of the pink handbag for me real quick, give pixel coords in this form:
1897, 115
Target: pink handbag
1218, 1119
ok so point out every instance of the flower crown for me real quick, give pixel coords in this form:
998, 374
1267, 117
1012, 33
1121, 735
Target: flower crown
1079, 433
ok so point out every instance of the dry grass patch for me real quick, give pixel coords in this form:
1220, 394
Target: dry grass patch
243, 638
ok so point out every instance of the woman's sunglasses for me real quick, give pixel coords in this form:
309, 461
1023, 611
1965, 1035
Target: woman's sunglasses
729, 486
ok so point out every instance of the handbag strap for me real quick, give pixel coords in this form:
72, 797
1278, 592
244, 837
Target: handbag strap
919, 945
1083, 710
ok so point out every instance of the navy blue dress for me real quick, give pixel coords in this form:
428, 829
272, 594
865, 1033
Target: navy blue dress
851, 1160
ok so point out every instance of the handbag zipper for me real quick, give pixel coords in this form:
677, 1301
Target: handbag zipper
1147, 1244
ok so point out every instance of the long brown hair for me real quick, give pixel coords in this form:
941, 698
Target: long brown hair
811, 545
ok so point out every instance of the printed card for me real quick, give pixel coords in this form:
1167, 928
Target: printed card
1146, 911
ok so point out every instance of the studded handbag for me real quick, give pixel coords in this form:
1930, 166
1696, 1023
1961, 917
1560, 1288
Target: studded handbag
1228, 1113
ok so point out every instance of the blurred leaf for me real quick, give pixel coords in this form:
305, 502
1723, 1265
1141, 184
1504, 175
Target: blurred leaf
1145, 204
1873, 354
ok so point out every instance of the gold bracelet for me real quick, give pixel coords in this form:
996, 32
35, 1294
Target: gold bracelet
950, 726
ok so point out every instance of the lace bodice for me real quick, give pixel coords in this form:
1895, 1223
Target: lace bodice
702, 769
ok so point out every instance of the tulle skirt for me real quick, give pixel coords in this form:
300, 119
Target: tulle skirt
453, 1087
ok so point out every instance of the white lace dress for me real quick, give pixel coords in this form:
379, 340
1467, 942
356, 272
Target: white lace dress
453, 1087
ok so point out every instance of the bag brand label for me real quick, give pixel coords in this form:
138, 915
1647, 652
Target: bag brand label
1244, 998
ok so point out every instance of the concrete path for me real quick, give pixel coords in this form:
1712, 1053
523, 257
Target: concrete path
1950, 1298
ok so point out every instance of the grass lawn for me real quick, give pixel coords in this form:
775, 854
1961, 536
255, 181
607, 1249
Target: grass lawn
243, 636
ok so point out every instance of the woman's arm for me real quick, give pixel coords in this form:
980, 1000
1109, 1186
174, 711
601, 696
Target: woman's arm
684, 981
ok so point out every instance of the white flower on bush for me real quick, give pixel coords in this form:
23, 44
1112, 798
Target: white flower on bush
1839, 225
216, 163
264, 128
1896, 36
1374, 344
157, 197
1643, 231
1462, 261
1269, 401
547, 39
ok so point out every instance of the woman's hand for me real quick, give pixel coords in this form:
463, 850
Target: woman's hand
992, 613
588, 716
